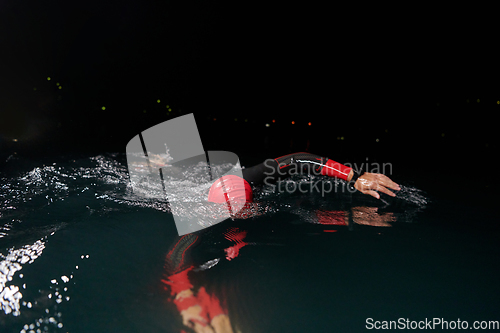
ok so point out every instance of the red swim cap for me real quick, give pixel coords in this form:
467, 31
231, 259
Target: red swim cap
230, 188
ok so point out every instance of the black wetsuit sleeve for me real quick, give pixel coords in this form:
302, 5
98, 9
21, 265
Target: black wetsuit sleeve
273, 170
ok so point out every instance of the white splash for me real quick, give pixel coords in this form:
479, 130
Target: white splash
10, 296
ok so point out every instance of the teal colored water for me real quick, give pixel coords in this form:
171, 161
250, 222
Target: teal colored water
80, 253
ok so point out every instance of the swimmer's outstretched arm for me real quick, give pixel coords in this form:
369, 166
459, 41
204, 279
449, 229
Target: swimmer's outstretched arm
273, 170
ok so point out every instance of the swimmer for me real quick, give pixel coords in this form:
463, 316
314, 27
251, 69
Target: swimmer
273, 170
205, 313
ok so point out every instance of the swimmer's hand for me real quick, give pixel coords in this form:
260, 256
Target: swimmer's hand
372, 183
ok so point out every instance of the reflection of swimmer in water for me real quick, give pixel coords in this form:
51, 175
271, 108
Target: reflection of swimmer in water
205, 313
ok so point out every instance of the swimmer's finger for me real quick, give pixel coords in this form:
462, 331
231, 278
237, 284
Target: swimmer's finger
385, 190
387, 182
372, 193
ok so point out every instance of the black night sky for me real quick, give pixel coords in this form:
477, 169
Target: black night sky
420, 80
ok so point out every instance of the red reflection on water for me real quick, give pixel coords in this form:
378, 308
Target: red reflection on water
199, 310
237, 236
331, 217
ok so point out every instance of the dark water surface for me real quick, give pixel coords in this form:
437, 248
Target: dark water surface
80, 253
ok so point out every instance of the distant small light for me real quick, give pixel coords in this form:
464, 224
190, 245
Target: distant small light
235, 119
442, 135
478, 100
377, 140
309, 123
215, 119
57, 84
498, 102
34, 88
467, 100
267, 125
341, 138
168, 106
169, 110
60, 87
103, 108
274, 120
246, 120
158, 101
48, 78
15, 140
144, 111
293, 122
